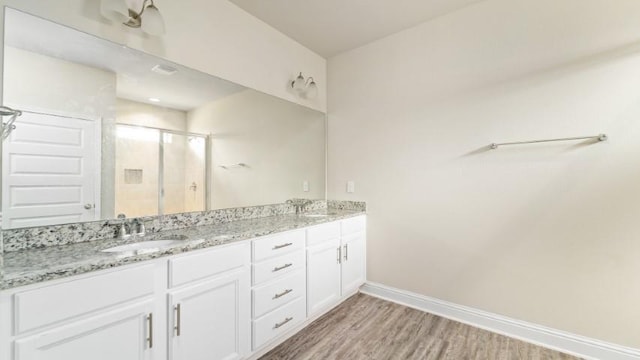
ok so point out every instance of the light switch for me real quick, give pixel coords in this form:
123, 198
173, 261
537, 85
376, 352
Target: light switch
305, 186
351, 186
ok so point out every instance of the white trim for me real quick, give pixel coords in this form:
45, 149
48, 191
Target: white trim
536, 334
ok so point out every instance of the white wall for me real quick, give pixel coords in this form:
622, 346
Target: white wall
546, 233
213, 36
282, 144
40, 82
140, 114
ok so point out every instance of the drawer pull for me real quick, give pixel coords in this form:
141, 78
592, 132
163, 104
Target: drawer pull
278, 268
277, 296
150, 322
178, 315
282, 323
339, 255
282, 246
346, 252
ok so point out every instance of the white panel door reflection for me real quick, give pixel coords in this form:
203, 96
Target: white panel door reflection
49, 167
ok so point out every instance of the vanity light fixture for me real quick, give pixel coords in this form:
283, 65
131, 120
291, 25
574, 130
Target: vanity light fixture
305, 87
117, 10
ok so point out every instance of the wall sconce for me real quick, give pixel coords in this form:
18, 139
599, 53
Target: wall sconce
117, 10
306, 88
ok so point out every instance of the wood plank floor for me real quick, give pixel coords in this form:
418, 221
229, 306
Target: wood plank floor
364, 327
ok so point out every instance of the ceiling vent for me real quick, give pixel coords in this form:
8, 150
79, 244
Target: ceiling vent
164, 69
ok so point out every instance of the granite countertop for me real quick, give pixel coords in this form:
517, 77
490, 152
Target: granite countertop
54, 262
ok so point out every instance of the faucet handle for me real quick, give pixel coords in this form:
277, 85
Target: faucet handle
122, 231
142, 230
141, 225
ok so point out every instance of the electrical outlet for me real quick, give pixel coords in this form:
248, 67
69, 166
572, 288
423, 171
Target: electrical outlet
351, 186
305, 186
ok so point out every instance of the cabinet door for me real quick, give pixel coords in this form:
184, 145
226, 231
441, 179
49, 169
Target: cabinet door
323, 275
125, 334
211, 320
353, 262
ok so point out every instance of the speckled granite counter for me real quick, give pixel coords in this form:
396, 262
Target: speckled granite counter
54, 262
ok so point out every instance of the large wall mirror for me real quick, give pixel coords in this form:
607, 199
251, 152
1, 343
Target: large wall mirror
108, 130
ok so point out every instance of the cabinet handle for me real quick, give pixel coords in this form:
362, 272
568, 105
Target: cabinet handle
346, 252
282, 323
277, 296
177, 326
278, 268
282, 246
150, 323
339, 255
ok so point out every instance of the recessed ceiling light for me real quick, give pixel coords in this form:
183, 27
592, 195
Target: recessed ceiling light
154, 99
164, 69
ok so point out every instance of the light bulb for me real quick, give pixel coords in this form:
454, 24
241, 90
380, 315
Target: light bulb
299, 84
152, 22
312, 89
114, 10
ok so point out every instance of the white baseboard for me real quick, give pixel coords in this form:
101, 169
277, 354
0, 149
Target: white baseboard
550, 338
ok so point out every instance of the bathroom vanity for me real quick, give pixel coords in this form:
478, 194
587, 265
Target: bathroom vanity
194, 161
215, 297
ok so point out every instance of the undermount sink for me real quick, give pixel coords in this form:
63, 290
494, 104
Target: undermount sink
173, 237
145, 246
318, 215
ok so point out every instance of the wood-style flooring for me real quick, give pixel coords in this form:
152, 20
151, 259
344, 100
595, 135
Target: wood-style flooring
365, 327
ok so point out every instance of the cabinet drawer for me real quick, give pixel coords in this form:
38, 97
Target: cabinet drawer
277, 293
278, 322
56, 303
323, 232
188, 268
354, 225
273, 268
274, 245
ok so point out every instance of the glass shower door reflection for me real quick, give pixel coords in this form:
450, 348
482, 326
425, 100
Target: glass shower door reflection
159, 171
183, 173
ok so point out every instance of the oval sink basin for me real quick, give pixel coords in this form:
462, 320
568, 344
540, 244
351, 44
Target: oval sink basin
174, 237
145, 246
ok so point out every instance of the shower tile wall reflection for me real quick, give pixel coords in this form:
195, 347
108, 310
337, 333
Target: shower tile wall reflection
137, 149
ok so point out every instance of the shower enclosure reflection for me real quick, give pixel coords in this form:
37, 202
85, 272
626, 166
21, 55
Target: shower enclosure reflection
159, 171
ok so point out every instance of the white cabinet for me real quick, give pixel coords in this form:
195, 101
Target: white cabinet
210, 320
209, 317
323, 275
124, 334
279, 286
335, 263
353, 262
217, 303
104, 316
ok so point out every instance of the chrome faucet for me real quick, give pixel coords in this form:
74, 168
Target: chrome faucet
299, 204
123, 233
131, 227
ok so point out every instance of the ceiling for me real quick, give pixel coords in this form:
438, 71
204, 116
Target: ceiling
184, 90
329, 27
